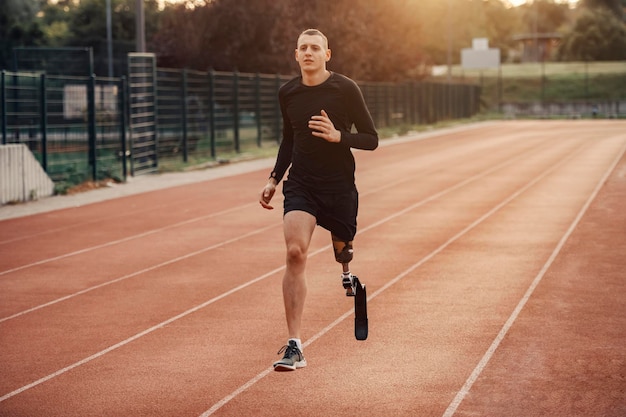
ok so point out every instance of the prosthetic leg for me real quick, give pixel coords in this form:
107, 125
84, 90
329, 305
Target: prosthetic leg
354, 288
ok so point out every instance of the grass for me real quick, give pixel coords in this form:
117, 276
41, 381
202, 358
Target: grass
548, 82
200, 161
269, 149
533, 69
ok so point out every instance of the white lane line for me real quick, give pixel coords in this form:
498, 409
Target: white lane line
137, 336
232, 291
126, 239
151, 268
83, 224
149, 232
397, 278
509, 323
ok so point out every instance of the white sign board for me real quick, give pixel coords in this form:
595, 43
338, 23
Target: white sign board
480, 44
480, 56
75, 100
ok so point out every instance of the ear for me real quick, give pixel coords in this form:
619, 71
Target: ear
328, 54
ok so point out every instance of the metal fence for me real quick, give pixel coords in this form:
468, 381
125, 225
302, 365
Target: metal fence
78, 129
73, 125
554, 89
196, 112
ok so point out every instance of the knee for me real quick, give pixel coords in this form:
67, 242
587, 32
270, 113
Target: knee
296, 255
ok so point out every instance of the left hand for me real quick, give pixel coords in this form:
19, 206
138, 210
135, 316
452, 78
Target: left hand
324, 128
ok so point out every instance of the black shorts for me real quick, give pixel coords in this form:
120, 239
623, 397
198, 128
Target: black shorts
335, 212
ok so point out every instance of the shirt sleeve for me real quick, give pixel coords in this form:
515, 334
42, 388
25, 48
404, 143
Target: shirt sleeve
285, 150
366, 136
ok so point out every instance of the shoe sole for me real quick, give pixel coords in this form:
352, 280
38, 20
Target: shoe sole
282, 367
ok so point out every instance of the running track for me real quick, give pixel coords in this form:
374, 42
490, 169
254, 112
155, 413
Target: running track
494, 257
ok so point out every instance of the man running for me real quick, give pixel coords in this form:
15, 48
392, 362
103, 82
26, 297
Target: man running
319, 109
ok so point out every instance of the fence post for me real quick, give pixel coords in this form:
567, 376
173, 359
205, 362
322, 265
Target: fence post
406, 103
43, 110
500, 88
211, 76
236, 110
91, 115
3, 97
123, 109
185, 112
257, 99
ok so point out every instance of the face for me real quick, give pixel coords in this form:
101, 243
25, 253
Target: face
312, 54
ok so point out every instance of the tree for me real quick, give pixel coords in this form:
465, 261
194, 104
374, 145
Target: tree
464, 21
597, 35
373, 40
227, 35
18, 27
544, 16
369, 39
614, 6
87, 27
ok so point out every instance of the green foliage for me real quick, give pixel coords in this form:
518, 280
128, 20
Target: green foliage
244, 35
597, 35
67, 23
18, 27
87, 27
544, 16
371, 40
453, 24
614, 6
557, 88
556, 81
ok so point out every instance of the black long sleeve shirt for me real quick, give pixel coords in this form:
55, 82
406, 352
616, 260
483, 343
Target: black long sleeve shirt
315, 162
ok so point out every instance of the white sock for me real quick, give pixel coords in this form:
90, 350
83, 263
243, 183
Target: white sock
298, 343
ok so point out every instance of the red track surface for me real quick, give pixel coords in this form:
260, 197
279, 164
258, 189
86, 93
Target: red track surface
493, 257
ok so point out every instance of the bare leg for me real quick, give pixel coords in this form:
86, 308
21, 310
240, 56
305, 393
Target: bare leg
298, 228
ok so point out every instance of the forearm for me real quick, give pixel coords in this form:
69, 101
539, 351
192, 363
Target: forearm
362, 140
283, 160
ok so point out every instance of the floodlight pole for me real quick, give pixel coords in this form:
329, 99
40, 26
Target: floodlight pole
535, 29
109, 39
449, 54
140, 27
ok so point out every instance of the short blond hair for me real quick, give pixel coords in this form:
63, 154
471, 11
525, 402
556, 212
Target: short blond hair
315, 32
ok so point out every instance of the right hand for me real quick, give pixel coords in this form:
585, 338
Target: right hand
267, 193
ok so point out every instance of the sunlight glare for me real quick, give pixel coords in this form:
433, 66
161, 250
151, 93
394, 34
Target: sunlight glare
516, 3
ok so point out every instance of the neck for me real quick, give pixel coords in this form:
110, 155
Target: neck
315, 78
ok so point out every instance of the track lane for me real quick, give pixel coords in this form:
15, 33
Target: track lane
153, 214
330, 267
446, 294
85, 229
116, 250
564, 367
61, 333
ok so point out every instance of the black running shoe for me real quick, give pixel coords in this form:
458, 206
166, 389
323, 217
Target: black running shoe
292, 360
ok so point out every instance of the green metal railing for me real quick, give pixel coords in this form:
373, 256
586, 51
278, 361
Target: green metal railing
78, 127
72, 125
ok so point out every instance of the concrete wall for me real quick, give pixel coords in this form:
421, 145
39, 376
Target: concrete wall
21, 176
